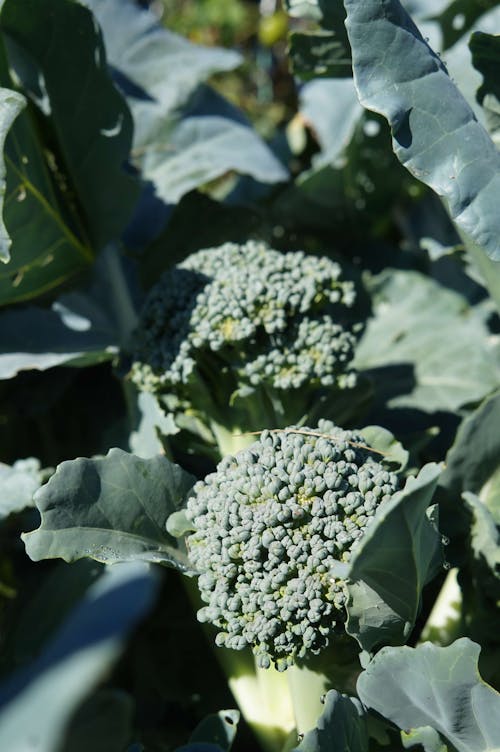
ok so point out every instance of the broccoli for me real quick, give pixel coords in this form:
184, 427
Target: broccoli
243, 337
267, 530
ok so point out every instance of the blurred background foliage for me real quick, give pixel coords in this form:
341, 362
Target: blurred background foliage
263, 87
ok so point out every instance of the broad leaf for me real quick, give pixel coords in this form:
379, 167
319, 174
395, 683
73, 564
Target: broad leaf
319, 53
436, 687
87, 121
18, 483
397, 556
485, 49
157, 69
184, 135
11, 104
458, 56
42, 614
149, 423
46, 250
485, 534
37, 703
342, 726
332, 109
415, 325
427, 737
435, 133
200, 149
80, 328
73, 329
104, 723
67, 191
473, 462
110, 509
218, 729
383, 441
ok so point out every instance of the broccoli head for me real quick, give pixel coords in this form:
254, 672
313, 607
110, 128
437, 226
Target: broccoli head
244, 336
268, 528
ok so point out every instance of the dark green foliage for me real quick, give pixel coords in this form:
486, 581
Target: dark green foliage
332, 290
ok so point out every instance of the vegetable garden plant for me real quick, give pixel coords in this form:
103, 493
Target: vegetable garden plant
250, 374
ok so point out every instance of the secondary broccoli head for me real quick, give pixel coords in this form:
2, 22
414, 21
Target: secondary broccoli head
232, 319
269, 526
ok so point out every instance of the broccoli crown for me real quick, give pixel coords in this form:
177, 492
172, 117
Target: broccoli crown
270, 317
269, 525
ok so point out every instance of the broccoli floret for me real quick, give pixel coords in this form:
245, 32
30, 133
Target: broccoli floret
244, 336
269, 526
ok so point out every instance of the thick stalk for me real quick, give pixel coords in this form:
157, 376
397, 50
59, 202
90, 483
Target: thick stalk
262, 695
306, 689
230, 442
336, 667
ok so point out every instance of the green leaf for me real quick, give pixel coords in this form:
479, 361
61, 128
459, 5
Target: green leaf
435, 133
73, 330
110, 509
332, 109
485, 535
103, 723
46, 251
69, 82
485, 49
185, 135
427, 737
218, 728
457, 17
202, 148
37, 703
437, 687
18, 483
473, 462
310, 9
414, 328
384, 441
158, 70
319, 53
41, 614
458, 57
341, 727
149, 423
11, 104
67, 191
324, 49
398, 555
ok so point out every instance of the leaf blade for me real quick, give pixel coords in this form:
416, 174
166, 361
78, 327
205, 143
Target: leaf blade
435, 133
111, 509
447, 693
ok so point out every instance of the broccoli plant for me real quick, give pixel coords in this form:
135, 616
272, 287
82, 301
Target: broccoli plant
243, 337
249, 494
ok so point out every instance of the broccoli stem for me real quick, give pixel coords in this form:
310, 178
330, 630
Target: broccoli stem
336, 667
262, 695
230, 441
306, 689
445, 620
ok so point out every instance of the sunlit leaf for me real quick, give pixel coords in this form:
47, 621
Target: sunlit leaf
110, 509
